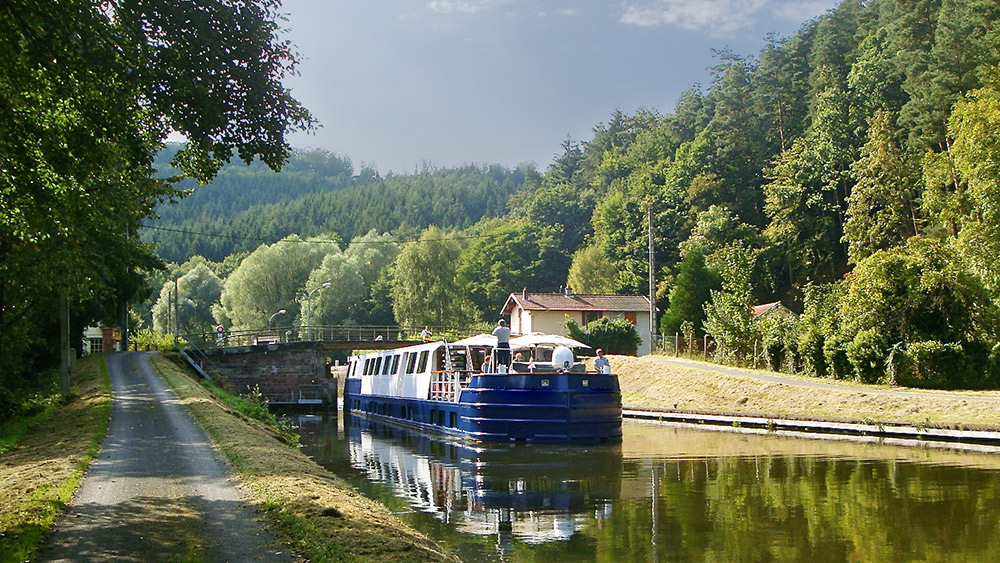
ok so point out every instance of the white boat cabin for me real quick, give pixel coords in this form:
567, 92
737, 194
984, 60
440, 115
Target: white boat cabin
439, 370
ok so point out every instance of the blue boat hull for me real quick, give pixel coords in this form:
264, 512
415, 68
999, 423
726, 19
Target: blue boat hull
551, 408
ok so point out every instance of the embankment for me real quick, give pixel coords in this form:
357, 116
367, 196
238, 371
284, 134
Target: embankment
675, 385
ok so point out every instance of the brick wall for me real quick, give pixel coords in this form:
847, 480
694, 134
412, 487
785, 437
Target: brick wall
284, 373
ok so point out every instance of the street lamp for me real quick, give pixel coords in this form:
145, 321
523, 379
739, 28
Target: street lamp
309, 298
280, 312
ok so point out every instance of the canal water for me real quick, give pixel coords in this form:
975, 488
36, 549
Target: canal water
669, 493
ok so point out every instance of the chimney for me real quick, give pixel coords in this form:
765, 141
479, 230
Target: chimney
568, 292
524, 293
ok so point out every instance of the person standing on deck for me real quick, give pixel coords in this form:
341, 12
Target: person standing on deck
503, 343
426, 334
601, 364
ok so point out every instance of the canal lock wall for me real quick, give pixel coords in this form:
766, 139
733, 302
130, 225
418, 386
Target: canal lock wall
293, 375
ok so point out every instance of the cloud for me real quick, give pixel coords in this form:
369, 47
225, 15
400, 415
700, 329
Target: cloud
718, 16
475, 6
801, 11
464, 6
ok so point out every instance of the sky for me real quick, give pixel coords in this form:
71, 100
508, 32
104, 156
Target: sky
402, 84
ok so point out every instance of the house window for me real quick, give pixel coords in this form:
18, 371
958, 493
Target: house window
96, 345
591, 316
632, 317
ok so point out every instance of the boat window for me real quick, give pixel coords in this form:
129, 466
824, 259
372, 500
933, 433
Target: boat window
411, 362
378, 366
422, 363
395, 364
388, 364
367, 365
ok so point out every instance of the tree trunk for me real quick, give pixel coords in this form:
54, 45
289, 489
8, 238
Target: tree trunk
64, 358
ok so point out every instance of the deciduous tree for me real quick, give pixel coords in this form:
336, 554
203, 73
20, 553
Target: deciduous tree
268, 280
426, 289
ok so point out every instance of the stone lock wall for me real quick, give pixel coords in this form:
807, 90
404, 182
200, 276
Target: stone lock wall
285, 374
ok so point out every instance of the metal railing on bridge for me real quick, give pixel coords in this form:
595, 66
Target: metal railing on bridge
332, 334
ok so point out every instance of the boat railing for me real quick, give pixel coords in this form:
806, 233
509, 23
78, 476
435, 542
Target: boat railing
548, 367
445, 386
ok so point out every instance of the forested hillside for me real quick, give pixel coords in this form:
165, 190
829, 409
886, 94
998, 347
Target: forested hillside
849, 171
319, 193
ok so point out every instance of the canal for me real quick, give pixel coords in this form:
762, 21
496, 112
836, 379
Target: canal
669, 493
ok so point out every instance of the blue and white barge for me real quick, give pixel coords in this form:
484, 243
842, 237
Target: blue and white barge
459, 388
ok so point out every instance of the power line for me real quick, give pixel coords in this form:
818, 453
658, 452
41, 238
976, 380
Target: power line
313, 241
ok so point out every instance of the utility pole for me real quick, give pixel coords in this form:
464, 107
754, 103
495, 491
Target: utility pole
124, 327
652, 280
175, 313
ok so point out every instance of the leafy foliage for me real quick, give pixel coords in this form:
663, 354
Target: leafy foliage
197, 290
692, 290
507, 256
848, 171
316, 195
425, 288
269, 280
614, 336
728, 316
88, 93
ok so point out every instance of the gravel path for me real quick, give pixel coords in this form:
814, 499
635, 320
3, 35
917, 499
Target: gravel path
157, 490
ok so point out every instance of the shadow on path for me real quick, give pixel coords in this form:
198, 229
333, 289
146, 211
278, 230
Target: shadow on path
157, 490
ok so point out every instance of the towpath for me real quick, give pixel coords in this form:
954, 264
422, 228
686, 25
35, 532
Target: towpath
157, 490
771, 377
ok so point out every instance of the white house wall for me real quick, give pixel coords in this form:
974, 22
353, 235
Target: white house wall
549, 322
642, 326
552, 322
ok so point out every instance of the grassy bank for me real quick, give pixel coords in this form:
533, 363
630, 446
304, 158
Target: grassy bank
44, 465
323, 518
657, 382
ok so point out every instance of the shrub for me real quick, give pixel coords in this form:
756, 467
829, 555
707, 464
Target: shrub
728, 316
835, 358
777, 333
929, 364
867, 353
811, 350
614, 336
9, 405
948, 365
146, 339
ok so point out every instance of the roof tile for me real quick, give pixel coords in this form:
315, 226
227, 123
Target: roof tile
562, 302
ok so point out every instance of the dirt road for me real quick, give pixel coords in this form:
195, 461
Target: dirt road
157, 490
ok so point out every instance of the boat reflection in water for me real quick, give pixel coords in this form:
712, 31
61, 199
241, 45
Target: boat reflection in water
669, 493
530, 492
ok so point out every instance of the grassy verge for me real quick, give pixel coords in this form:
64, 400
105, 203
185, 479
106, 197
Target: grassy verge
322, 517
11, 431
655, 382
46, 460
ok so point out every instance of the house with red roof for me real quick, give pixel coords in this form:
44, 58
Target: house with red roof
547, 312
776, 308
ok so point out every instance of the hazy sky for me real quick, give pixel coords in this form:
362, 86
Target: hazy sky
396, 83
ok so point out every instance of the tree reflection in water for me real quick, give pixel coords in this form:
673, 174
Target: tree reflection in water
673, 494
